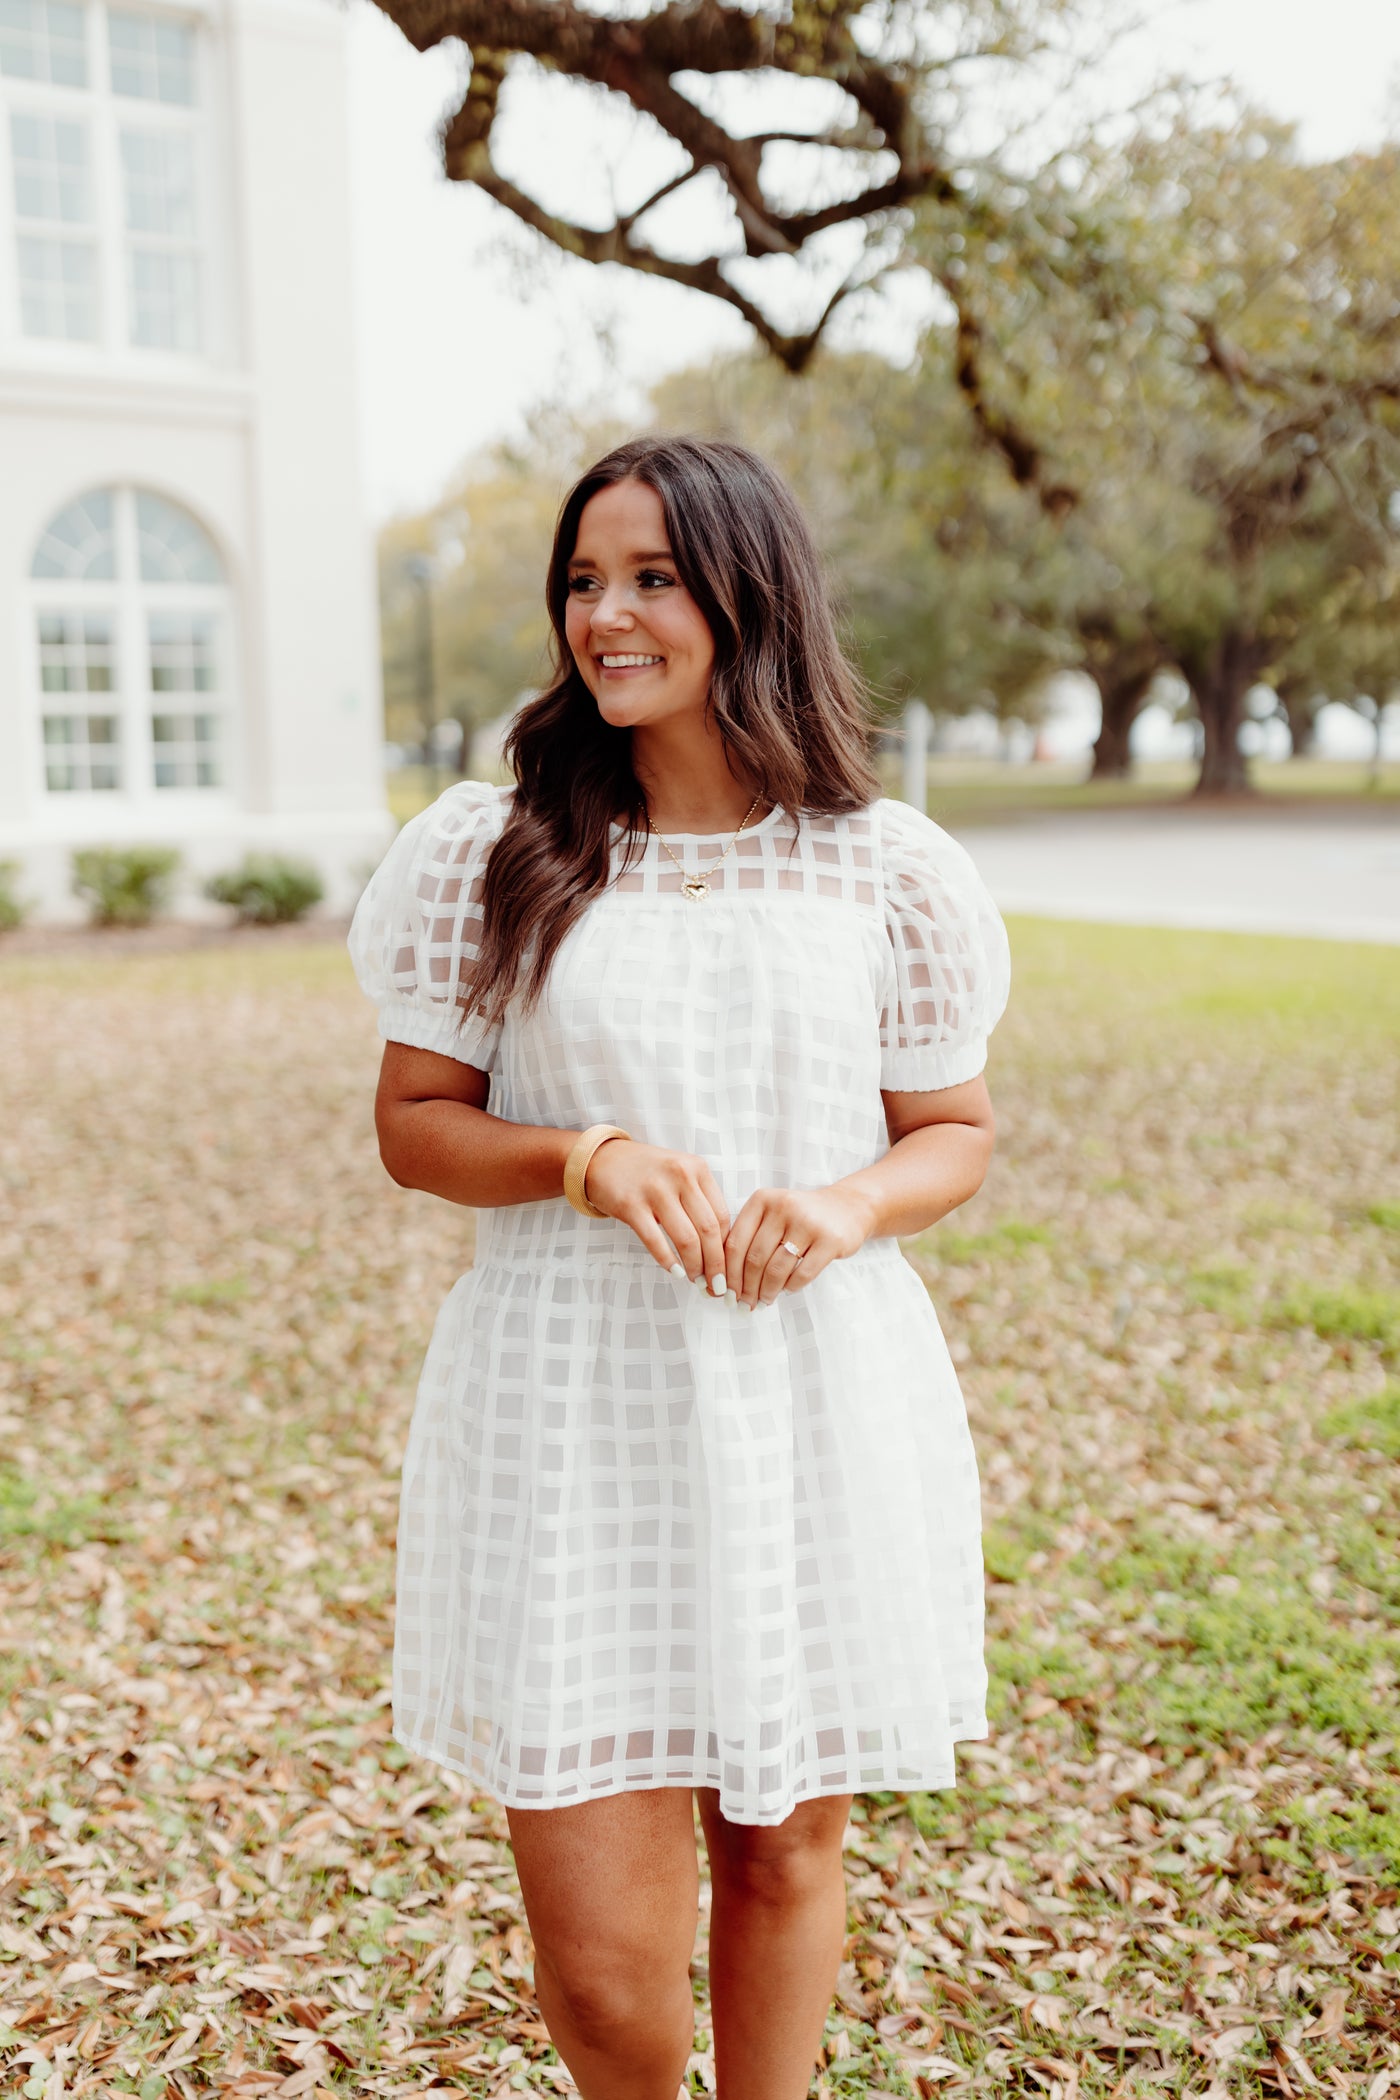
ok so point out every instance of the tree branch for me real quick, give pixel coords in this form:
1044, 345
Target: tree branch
637, 59
1002, 432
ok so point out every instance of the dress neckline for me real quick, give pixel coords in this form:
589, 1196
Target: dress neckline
750, 831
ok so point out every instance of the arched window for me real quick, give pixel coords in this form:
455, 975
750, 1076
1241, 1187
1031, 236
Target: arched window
132, 620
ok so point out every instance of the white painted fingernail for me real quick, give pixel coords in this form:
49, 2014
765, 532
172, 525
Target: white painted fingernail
678, 1270
731, 1297
717, 1286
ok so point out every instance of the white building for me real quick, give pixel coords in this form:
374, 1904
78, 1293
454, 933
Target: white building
188, 646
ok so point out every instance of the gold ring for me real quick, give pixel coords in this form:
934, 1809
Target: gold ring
795, 1252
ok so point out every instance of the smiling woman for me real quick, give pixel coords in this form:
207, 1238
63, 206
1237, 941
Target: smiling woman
699, 1022
640, 640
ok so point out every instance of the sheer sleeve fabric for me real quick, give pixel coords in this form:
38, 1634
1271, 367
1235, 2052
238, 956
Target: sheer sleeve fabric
417, 927
950, 965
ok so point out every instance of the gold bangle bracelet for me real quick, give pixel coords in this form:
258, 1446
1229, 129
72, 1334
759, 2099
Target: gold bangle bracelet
580, 1159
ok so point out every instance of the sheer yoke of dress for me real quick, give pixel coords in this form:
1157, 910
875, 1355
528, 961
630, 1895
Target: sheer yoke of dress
648, 1538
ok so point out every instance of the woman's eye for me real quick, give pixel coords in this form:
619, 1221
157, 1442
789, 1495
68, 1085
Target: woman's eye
653, 579
578, 584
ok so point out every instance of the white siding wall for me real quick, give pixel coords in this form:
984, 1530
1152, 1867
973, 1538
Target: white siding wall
257, 439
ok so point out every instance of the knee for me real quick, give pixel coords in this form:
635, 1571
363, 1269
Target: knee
777, 1867
611, 1997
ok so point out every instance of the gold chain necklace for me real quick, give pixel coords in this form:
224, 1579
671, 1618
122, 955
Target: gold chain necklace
697, 886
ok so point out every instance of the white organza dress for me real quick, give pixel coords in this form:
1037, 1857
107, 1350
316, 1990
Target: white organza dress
648, 1538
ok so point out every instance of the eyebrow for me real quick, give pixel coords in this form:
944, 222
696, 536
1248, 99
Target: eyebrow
579, 561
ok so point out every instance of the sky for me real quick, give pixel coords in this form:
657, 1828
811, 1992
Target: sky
464, 328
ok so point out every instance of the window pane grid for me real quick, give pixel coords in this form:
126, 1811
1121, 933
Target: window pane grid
152, 60
51, 168
75, 652
162, 265
182, 653
155, 567
186, 750
68, 267
43, 40
58, 289
171, 547
163, 294
53, 190
158, 175
82, 753
80, 544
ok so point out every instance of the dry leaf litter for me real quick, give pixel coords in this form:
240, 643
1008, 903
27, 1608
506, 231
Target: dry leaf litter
1174, 1868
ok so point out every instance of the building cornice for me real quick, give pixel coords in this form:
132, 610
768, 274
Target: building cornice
223, 398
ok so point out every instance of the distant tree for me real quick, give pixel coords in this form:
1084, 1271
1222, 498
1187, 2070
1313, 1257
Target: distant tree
1210, 363
927, 541
1348, 653
1299, 705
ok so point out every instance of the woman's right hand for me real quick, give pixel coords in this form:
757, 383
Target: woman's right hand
670, 1200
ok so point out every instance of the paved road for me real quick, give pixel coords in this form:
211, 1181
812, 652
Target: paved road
1331, 874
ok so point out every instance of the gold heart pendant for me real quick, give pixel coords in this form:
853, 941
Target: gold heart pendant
696, 886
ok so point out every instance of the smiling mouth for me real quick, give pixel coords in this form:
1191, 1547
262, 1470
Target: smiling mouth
627, 663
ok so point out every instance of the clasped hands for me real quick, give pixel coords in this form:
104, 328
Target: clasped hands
780, 1241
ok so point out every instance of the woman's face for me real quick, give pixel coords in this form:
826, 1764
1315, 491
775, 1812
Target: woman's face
639, 639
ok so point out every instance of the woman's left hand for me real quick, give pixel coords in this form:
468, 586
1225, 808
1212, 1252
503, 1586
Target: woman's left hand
822, 1225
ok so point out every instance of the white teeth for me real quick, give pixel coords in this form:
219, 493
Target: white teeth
618, 663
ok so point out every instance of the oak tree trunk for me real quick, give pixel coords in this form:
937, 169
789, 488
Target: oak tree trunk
1123, 690
1300, 713
1219, 679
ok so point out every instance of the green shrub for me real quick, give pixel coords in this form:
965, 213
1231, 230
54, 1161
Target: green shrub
13, 909
267, 889
124, 885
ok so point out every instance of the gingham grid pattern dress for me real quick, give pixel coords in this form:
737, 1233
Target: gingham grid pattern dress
648, 1538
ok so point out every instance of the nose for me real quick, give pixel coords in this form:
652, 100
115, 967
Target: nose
610, 612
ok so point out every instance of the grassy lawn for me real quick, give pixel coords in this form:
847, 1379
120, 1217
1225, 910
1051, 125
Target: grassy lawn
979, 790
1175, 1867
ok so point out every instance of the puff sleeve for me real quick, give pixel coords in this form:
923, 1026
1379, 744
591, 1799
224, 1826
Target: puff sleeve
949, 962
417, 927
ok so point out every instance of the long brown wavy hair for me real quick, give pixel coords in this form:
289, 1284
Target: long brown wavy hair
788, 704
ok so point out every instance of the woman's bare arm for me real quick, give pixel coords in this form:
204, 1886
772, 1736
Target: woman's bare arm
435, 1133
940, 1149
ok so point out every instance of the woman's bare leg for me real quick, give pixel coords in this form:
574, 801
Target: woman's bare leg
611, 1891
776, 1933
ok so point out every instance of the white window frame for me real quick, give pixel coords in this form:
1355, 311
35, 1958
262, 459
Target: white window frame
105, 116
129, 601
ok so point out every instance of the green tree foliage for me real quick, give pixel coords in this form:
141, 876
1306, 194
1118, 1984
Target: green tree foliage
1349, 650
1199, 331
927, 541
1203, 332
1182, 339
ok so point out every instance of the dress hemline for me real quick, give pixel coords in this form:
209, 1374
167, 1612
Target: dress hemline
701, 1778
